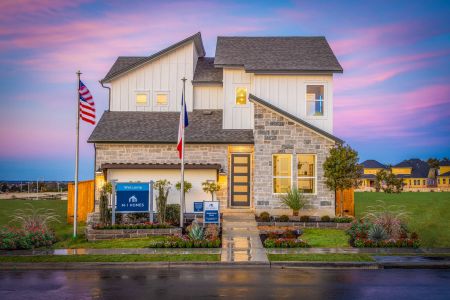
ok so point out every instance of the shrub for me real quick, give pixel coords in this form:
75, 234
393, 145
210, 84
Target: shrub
283, 218
390, 217
285, 243
196, 232
212, 231
325, 219
294, 199
377, 233
146, 225
264, 216
12, 239
173, 214
32, 219
289, 234
414, 236
343, 220
304, 219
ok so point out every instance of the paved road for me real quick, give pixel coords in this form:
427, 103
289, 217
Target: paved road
200, 283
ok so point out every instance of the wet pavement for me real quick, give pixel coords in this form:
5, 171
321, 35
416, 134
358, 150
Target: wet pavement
240, 238
255, 283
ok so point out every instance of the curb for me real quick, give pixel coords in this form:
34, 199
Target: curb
325, 265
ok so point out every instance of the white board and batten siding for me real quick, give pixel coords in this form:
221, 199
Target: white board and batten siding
162, 75
208, 97
288, 92
196, 177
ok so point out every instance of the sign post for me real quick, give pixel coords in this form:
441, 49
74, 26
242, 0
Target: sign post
211, 213
150, 201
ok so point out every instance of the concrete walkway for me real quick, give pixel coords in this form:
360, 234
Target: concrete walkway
240, 238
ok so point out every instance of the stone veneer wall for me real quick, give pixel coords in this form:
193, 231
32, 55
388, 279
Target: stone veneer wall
276, 134
163, 153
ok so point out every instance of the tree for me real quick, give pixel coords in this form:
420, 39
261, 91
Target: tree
163, 188
210, 187
341, 170
433, 163
187, 186
392, 184
379, 178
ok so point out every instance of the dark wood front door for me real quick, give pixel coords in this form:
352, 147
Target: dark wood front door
240, 179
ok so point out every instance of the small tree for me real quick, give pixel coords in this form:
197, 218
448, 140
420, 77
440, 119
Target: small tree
379, 179
341, 170
187, 186
163, 188
393, 184
294, 199
105, 217
210, 187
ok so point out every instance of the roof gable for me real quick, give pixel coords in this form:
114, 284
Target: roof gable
371, 163
277, 54
278, 110
125, 64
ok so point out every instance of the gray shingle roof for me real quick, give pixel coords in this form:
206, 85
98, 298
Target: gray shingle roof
445, 174
371, 163
205, 72
162, 127
260, 101
277, 54
133, 62
420, 168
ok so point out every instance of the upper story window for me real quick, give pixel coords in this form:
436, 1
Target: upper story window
162, 98
241, 96
315, 100
306, 173
282, 173
141, 98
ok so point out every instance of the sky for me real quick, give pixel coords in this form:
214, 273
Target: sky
391, 103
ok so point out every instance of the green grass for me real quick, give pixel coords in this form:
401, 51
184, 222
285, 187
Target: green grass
430, 213
338, 257
118, 243
63, 230
110, 258
325, 237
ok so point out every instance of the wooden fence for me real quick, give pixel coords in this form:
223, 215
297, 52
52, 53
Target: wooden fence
85, 200
348, 203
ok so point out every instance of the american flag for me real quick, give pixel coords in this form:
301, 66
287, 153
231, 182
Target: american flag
87, 105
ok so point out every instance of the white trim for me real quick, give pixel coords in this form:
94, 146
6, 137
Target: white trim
160, 92
325, 100
308, 177
142, 92
273, 175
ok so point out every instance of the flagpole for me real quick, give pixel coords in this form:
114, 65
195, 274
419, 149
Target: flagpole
182, 153
75, 204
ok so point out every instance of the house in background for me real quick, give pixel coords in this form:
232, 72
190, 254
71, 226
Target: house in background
443, 178
260, 120
416, 174
370, 169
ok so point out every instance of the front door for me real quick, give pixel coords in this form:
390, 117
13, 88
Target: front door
240, 179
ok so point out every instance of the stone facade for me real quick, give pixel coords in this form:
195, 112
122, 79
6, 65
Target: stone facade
110, 234
163, 154
274, 133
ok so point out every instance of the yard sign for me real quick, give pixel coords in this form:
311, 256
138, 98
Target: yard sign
131, 197
211, 213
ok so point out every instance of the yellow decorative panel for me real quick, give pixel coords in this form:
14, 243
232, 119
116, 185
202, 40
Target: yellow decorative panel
401, 171
371, 171
444, 169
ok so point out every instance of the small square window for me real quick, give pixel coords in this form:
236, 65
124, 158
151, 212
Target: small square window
141, 98
315, 100
162, 99
241, 96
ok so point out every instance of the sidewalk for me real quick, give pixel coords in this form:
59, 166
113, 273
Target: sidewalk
240, 239
403, 251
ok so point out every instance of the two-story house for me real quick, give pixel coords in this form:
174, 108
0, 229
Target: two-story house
260, 120
370, 169
443, 178
416, 174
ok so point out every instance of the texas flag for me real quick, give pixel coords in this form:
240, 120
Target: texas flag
181, 127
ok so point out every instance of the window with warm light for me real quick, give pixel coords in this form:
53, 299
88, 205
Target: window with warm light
282, 173
141, 98
162, 98
315, 100
306, 173
241, 96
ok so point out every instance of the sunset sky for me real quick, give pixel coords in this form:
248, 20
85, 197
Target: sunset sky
391, 103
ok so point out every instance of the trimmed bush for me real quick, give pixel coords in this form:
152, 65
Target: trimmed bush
13, 239
325, 219
304, 219
264, 216
173, 214
283, 218
146, 225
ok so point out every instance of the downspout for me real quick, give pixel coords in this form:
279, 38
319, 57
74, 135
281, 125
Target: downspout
109, 94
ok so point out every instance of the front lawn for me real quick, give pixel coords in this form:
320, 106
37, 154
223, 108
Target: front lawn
337, 257
81, 242
325, 237
430, 213
110, 258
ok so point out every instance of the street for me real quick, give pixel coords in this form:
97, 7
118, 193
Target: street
250, 283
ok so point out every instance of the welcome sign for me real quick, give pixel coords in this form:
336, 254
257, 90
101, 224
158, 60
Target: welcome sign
132, 197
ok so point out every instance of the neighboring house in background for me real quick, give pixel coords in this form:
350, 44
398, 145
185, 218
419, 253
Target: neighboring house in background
260, 120
443, 178
370, 168
416, 174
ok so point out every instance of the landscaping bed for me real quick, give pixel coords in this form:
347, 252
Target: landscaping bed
129, 231
265, 219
